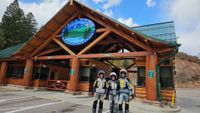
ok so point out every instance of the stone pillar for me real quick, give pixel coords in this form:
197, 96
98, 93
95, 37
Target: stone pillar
74, 76
151, 83
28, 70
3, 72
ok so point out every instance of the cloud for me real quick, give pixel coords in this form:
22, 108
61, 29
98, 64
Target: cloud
150, 3
3, 6
186, 14
108, 12
98, 1
44, 10
129, 22
111, 3
106, 5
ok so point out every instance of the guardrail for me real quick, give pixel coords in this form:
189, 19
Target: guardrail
60, 85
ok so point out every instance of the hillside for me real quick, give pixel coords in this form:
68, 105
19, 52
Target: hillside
187, 70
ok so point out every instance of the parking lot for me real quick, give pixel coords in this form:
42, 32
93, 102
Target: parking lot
10, 103
31, 101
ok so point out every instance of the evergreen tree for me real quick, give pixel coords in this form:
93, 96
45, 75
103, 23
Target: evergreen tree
2, 39
17, 27
31, 25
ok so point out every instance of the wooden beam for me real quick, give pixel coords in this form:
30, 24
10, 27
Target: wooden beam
111, 48
164, 50
53, 35
130, 46
71, 2
112, 64
111, 55
63, 46
56, 57
130, 65
100, 30
94, 42
49, 51
117, 31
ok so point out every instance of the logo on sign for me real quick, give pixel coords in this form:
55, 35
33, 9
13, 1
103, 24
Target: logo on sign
78, 31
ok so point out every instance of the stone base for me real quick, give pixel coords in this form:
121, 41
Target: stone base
156, 103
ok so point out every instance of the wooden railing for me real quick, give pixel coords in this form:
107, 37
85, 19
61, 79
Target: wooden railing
167, 94
60, 85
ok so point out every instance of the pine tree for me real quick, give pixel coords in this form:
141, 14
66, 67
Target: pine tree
2, 39
31, 25
17, 27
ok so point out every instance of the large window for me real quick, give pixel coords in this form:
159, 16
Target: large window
166, 77
84, 73
41, 73
141, 79
16, 72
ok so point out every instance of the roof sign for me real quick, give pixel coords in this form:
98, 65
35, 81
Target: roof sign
78, 32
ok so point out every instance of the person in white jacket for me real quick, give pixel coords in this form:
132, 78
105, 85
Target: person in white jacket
99, 88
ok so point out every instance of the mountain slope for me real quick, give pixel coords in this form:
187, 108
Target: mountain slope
187, 70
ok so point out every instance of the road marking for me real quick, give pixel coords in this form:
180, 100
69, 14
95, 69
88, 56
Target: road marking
10, 109
108, 111
31, 107
2, 100
14, 99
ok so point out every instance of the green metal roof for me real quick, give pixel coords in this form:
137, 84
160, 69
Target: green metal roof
8, 52
164, 31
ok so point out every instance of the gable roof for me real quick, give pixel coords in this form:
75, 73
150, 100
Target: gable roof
61, 17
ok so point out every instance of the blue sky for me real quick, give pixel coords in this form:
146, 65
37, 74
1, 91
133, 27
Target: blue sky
136, 9
185, 14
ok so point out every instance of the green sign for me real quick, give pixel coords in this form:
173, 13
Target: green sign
72, 72
151, 74
108, 55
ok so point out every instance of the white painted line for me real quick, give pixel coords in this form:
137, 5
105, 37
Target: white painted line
108, 111
2, 100
10, 109
31, 107
14, 99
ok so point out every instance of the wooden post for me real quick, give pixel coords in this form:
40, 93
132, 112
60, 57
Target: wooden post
74, 75
3, 71
151, 88
28, 70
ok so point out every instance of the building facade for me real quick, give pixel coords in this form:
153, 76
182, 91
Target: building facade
67, 52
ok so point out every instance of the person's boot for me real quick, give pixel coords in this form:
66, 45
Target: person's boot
94, 106
115, 108
126, 108
111, 107
100, 107
120, 108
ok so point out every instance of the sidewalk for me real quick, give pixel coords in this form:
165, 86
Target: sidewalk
135, 106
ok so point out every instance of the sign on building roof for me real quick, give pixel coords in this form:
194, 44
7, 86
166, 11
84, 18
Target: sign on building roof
78, 31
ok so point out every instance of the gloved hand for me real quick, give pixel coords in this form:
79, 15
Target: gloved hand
95, 94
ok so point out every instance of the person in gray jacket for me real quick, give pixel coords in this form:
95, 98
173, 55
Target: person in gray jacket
113, 92
99, 87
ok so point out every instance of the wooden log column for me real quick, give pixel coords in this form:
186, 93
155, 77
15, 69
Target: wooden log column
74, 75
28, 72
151, 88
3, 71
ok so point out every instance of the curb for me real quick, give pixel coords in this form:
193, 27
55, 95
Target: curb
177, 109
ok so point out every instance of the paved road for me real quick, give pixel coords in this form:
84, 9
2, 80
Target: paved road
189, 100
10, 103
29, 101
